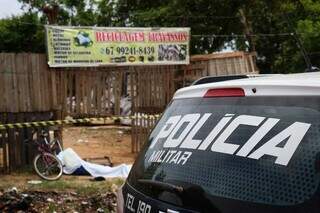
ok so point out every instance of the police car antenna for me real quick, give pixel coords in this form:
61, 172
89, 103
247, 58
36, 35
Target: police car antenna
303, 51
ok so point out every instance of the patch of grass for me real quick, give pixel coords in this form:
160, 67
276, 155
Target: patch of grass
51, 207
83, 187
59, 185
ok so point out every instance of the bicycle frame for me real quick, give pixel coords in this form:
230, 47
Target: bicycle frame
48, 146
47, 156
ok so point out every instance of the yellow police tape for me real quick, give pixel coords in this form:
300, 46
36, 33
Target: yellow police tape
74, 121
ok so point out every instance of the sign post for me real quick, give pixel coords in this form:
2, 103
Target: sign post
97, 46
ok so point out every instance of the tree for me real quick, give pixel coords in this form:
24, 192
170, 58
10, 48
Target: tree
248, 25
264, 25
197, 14
309, 29
279, 52
74, 12
22, 34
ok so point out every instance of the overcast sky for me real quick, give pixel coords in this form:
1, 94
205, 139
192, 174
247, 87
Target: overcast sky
9, 7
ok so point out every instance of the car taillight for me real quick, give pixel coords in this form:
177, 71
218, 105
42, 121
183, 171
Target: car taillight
224, 92
120, 200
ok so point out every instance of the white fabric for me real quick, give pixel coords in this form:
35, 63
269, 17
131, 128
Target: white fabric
71, 161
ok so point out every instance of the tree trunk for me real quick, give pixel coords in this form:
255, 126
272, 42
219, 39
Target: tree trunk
247, 28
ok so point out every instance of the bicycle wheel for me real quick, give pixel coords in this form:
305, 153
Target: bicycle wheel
48, 166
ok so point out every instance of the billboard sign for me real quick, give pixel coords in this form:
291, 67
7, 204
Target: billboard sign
96, 46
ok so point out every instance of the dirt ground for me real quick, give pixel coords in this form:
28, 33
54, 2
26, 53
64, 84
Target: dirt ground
100, 141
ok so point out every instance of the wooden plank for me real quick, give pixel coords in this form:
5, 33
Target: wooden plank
104, 93
24, 85
70, 92
5, 135
133, 98
54, 89
42, 85
156, 82
148, 74
246, 65
2, 83
11, 147
88, 84
17, 83
26, 89
94, 91
47, 92
108, 92
4, 151
14, 99
64, 92
65, 75
143, 89
83, 91
99, 79
116, 91
67, 91
241, 64
30, 83
250, 58
20, 148
4, 143
8, 81
36, 83
1, 154
59, 91
77, 88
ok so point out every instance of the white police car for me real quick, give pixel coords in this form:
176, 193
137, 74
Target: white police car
245, 145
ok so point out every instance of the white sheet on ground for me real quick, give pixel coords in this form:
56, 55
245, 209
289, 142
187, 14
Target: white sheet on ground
72, 161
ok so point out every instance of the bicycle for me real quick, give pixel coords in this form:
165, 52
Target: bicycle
46, 163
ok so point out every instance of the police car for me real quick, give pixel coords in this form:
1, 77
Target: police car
240, 145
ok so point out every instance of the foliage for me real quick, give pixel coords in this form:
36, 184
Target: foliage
264, 24
76, 12
196, 14
282, 54
309, 28
22, 34
266, 28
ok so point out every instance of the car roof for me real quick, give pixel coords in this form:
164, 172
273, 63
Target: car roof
302, 84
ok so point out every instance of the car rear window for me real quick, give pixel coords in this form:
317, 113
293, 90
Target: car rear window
254, 149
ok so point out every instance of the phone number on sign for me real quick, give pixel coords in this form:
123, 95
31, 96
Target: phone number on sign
128, 50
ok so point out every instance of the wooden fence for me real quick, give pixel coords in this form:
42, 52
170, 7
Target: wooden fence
16, 151
89, 92
28, 85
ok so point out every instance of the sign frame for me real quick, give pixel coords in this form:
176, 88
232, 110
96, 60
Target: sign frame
157, 46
